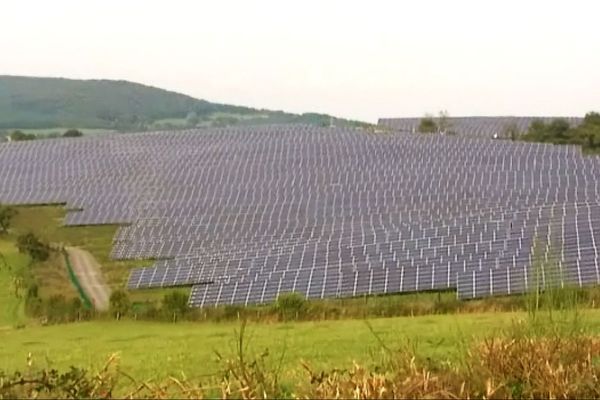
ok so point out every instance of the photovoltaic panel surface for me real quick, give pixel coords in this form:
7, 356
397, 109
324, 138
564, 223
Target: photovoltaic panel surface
244, 214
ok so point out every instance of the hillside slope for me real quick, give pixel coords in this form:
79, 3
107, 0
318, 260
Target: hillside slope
30, 103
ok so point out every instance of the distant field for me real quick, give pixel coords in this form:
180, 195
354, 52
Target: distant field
156, 350
172, 121
208, 120
218, 115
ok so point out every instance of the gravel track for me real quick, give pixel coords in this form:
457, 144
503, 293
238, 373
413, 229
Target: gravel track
89, 274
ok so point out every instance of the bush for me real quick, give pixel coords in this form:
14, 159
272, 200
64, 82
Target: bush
427, 125
71, 133
29, 244
19, 136
587, 134
59, 309
6, 215
232, 311
291, 305
75, 383
174, 304
514, 364
120, 305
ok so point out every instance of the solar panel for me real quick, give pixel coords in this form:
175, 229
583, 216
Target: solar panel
243, 214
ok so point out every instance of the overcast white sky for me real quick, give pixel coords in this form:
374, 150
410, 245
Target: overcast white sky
359, 60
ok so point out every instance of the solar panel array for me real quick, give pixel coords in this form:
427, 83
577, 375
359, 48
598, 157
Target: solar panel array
474, 126
243, 214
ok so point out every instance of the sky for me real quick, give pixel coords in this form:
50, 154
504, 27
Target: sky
360, 60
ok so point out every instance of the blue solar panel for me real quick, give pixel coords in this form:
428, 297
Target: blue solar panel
243, 214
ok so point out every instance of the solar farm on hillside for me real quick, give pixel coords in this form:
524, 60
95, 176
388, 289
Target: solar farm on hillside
244, 214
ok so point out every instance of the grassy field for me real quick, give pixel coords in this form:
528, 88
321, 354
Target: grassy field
11, 307
51, 276
156, 350
172, 121
46, 223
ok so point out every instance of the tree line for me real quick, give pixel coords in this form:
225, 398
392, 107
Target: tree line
20, 136
431, 124
559, 131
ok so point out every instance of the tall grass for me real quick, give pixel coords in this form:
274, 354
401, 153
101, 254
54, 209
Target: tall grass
510, 365
553, 306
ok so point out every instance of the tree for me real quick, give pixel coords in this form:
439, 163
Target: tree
34, 247
6, 216
427, 125
444, 124
511, 131
71, 133
19, 136
192, 119
120, 304
588, 132
592, 118
175, 304
557, 131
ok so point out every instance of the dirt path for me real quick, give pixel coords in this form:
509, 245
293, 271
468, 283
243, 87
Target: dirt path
89, 274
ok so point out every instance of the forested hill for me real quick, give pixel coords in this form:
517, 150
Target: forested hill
37, 103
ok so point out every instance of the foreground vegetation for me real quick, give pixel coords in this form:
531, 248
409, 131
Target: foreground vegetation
546, 354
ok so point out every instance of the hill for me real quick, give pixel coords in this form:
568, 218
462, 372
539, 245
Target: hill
41, 103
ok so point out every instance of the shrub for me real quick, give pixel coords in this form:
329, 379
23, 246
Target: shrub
120, 304
427, 125
174, 304
6, 216
558, 131
58, 309
232, 311
291, 305
19, 136
29, 244
71, 133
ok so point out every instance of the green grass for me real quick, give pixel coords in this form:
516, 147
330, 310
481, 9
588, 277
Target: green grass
46, 222
153, 350
238, 116
11, 308
171, 121
51, 276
